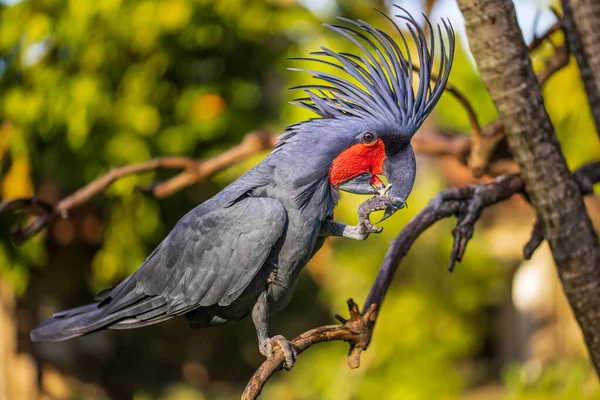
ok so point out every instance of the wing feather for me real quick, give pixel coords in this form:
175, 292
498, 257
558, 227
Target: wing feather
206, 260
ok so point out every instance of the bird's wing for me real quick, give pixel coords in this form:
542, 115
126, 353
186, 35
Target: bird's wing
206, 260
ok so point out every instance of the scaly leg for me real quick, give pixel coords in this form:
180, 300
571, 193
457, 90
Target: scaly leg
260, 317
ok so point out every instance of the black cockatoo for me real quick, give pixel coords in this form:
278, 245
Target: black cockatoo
240, 252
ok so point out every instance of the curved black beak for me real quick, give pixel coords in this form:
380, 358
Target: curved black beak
400, 170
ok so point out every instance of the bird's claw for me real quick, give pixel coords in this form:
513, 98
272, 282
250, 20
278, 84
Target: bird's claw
289, 350
365, 227
394, 205
383, 202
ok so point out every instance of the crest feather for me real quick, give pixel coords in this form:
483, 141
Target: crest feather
383, 72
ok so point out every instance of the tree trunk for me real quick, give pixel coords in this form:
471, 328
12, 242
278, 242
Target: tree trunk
582, 27
503, 61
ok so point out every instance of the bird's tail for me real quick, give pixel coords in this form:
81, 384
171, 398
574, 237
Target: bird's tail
93, 317
70, 323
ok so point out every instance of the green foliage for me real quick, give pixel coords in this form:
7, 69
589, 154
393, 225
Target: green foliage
561, 381
87, 86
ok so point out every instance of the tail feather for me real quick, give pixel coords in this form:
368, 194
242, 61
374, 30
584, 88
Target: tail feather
76, 311
66, 325
93, 317
138, 322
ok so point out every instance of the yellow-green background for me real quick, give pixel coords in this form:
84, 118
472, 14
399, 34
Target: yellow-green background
86, 85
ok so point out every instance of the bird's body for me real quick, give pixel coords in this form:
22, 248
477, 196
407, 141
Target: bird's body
241, 252
252, 237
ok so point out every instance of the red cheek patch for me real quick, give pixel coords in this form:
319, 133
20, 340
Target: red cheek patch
357, 160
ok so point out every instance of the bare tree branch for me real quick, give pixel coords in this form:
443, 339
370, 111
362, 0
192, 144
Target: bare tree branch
554, 64
466, 203
356, 331
193, 171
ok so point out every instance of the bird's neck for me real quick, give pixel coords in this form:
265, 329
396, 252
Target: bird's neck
299, 182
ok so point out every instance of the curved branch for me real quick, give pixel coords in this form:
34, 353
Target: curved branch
33, 204
356, 331
539, 40
466, 203
193, 171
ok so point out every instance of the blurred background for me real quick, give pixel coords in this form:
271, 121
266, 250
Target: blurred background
87, 85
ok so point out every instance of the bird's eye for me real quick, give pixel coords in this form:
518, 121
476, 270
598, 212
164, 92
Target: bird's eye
368, 137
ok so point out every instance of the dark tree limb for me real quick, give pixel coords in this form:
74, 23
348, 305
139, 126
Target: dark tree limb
503, 60
466, 203
34, 205
537, 238
554, 64
581, 22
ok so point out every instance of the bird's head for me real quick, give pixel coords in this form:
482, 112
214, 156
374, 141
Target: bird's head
372, 105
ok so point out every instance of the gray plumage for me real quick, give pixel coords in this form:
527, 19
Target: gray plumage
240, 252
208, 259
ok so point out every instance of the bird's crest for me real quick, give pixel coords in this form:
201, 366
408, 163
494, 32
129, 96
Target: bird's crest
384, 74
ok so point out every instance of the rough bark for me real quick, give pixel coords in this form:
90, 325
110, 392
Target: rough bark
582, 28
501, 55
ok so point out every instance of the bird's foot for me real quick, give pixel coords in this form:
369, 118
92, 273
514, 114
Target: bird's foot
362, 230
289, 350
383, 202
